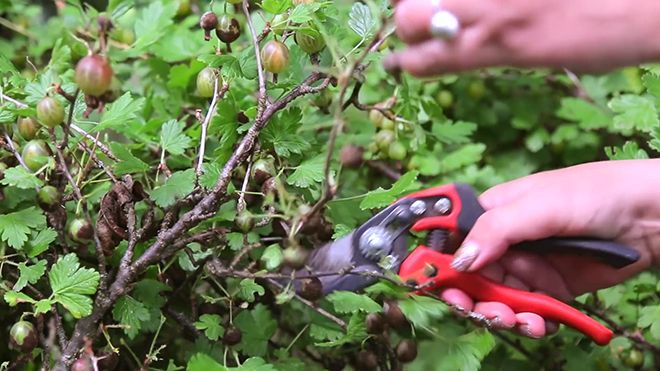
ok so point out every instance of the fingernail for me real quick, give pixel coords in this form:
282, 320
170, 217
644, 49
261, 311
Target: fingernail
465, 256
524, 329
392, 66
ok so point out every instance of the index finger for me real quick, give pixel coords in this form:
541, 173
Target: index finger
413, 17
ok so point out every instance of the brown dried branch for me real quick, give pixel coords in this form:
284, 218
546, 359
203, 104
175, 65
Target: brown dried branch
83, 202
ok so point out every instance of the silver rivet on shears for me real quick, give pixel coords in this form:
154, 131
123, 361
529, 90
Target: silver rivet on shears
418, 207
442, 206
375, 243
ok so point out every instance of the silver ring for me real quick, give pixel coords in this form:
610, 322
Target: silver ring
444, 24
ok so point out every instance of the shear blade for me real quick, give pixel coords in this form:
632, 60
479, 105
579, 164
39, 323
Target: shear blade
339, 265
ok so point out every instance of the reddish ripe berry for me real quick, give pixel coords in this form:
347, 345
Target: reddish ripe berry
208, 22
375, 323
232, 336
351, 156
50, 112
366, 361
82, 364
275, 56
312, 289
406, 351
94, 75
23, 336
228, 29
263, 169
394, 315
80, 230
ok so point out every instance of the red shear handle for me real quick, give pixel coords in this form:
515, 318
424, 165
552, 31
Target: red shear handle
416, 267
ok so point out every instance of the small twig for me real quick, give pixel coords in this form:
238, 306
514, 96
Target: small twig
384, 169
76, 190
341, 323
61, 336
101, 146
12, 149
217, 95
261, 100
183, 321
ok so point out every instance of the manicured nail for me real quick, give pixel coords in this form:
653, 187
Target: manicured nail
465, 256
496, 322
524, 329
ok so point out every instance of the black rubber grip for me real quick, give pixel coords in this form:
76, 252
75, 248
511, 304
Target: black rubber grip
609, 252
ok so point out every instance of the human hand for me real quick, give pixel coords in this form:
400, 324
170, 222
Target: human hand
575, 34
615, 200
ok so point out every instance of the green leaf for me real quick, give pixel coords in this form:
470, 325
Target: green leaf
303, 13
247, 289
20, 177
308, 173
282, 134
30, 274
211, 324
43, 306
14, 298
453, 132
648, 318
356, 331
272, 257
178, 185
150, 292
16, 226
258, 326
229, 66
210, 176
629, 151
466, 155
234, 240
119, 113
381, 197
40, 242
586, 114
127, 164
203, 362
130, 313
361, 20
634, 112
152, 23
71, 285
172, 138
350, 302
422, 311
275, 6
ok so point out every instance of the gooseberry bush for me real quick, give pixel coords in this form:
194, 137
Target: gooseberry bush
163, 160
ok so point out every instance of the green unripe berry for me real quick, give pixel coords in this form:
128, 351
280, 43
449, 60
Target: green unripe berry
50, 112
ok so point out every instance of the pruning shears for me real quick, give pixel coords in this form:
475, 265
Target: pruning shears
450, 210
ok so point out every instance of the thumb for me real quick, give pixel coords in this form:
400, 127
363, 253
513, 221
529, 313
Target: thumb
528, 218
